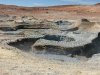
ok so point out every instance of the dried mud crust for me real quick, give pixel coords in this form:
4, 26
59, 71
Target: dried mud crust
20, 34
31, 36
20, 63
16, 56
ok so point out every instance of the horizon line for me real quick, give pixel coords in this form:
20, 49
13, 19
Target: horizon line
52, 5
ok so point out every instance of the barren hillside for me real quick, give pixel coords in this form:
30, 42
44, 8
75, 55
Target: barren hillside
54, 12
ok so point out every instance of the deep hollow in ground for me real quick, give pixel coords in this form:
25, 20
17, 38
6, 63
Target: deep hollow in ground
93, 48
24, 44
88, 50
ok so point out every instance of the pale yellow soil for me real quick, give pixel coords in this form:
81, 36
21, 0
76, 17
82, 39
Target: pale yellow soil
21, 63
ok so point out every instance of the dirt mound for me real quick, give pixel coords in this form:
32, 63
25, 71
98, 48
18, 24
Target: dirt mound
87, 25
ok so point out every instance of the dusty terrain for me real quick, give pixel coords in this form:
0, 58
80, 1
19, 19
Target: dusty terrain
39, 27
55, 12
19, 63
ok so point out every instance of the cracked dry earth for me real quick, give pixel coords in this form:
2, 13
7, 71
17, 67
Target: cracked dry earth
14, 61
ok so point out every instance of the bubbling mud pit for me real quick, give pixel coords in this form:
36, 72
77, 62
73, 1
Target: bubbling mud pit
88, 50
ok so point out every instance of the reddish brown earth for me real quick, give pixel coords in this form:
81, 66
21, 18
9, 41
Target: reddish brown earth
16, 62
55, 12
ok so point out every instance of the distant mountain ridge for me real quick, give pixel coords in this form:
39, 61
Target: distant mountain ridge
97, 4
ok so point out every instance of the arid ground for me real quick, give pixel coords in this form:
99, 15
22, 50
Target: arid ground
19, 62
55, 12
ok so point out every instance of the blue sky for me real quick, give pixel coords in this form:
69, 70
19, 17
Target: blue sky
32, 3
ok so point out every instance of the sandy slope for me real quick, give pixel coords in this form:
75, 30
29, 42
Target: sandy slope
20, 63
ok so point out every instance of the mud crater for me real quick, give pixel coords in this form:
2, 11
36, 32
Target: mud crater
88, 50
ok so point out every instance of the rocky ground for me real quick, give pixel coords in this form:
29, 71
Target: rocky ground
40, 27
